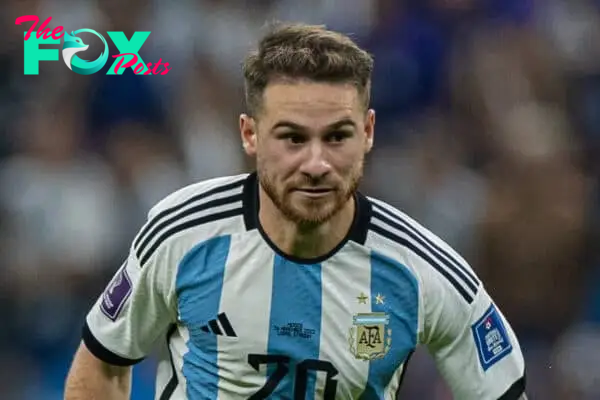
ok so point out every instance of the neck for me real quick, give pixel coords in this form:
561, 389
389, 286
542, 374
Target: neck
304, 242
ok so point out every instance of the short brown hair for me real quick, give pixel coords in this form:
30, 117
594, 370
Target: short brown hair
300, 51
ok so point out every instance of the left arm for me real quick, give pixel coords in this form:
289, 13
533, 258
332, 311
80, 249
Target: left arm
473, 345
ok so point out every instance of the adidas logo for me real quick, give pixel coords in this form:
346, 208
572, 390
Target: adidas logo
219, 326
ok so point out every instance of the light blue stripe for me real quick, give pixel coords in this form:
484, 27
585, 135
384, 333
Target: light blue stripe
199, 286
296, 300
397, 284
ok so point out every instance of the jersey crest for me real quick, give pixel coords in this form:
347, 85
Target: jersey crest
370, 337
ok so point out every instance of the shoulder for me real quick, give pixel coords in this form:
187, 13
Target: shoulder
191, 215
216, 188
435, 263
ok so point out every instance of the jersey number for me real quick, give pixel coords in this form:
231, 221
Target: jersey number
302, 369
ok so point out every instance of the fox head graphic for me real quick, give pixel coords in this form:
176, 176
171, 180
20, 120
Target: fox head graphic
72, 45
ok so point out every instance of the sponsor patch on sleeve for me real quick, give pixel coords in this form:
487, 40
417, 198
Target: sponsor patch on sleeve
491, 338
116, 294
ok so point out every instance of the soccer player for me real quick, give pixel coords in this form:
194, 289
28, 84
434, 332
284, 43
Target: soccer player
288, 283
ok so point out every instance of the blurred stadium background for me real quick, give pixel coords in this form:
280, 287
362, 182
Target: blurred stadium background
488, 132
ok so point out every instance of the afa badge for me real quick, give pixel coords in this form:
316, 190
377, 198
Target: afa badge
491, 338
370, 337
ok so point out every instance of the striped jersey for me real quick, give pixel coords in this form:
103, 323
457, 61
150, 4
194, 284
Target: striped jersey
234, 318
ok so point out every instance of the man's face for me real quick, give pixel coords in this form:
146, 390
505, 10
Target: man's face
310, 141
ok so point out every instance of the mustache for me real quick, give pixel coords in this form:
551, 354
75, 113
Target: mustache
308, 181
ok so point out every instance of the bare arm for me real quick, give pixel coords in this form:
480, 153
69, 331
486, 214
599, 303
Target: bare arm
91, 379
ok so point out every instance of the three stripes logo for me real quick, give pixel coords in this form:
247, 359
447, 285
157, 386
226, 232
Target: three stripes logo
220, 326
218, 203
392, 225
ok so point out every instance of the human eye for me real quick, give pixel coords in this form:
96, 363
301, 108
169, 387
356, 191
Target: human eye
294, 138
338, 136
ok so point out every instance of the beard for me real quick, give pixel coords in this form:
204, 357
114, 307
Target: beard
307, 212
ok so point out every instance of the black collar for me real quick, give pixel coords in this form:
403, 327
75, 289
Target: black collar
357, 232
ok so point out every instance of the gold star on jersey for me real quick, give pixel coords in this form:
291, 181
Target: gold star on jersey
362, 299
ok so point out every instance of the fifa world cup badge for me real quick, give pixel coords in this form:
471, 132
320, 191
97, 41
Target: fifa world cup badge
116, 294
370, 337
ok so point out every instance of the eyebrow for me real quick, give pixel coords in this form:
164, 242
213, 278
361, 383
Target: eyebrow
294, 126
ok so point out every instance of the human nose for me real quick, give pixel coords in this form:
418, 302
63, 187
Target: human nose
316, 165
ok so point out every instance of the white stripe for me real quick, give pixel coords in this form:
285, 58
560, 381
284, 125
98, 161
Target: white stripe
459, 279
391, 389
248, 275
344, 277
178, 349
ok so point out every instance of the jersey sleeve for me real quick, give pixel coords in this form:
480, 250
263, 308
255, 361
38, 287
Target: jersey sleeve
473, 345
134, 311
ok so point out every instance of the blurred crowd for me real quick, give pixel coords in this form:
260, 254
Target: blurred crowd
488, 128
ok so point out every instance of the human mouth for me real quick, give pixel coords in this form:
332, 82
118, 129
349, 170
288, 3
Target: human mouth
314, 192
